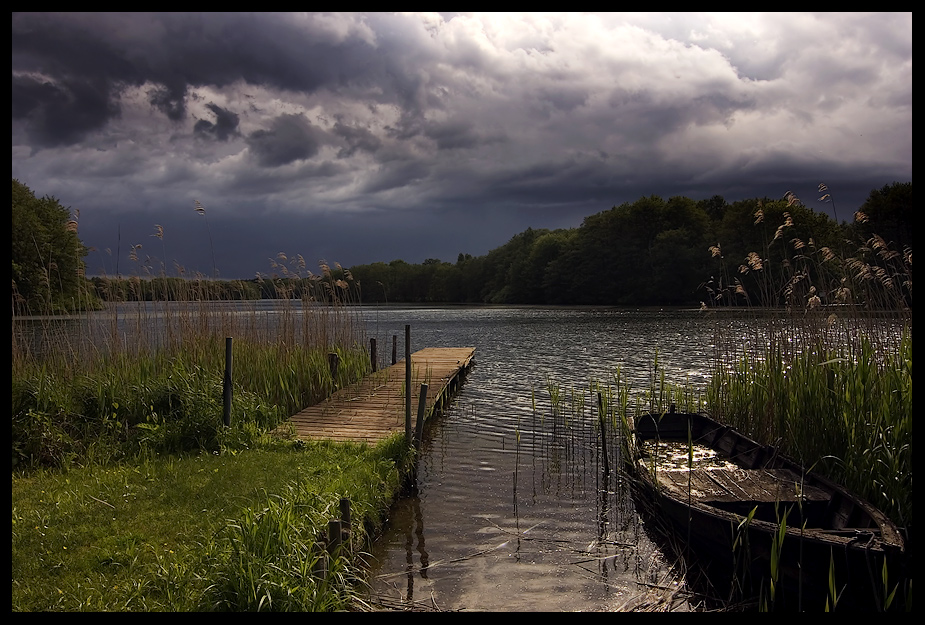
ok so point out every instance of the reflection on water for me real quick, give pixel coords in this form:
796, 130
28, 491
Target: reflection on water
514, 509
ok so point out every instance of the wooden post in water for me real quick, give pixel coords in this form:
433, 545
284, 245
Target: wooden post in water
226, 390
373, 358
408, 384
600, 415
394, 348
419, 427
333, 361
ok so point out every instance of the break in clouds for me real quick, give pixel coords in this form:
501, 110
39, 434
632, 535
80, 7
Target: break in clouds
369, 137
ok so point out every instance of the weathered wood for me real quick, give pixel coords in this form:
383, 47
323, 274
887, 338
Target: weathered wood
374, 408
226, 389
333, 362
335, 536
408, 384
422, 414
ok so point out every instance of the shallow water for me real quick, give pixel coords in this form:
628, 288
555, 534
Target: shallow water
513, 511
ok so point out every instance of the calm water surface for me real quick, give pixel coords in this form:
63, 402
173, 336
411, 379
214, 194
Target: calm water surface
512, 511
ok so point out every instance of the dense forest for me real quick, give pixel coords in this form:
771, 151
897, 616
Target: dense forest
675, 252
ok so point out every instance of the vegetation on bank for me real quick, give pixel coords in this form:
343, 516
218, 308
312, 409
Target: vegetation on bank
48, 268
653, 252
831, 394
129, 493
235, 530
648, 252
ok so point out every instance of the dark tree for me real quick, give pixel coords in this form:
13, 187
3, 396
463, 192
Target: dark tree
48, 267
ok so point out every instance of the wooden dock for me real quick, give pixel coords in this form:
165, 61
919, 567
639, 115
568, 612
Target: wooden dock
374, 408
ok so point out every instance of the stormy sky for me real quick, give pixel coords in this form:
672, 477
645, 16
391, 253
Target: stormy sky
365, 137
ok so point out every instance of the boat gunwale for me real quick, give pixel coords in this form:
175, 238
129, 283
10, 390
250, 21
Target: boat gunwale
884, 536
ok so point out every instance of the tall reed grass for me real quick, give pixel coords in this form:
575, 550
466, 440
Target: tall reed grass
149, 374
825, 370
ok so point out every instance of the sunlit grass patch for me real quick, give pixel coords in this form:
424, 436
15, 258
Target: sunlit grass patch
164, 534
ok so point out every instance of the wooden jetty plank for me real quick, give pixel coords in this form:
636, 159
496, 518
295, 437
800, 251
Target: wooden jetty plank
374, 408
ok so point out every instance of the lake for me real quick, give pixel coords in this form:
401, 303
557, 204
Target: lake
512, 512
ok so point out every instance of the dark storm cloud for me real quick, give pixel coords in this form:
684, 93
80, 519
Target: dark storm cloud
289, 138
531, 120
224, 127
452, 135
397, 174
61, 113
174, 53
357, 139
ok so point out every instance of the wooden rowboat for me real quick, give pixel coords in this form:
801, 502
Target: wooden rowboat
725, 496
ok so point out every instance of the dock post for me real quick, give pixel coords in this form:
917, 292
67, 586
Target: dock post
419, 427
333, 361
334, 536
394, 348
373, 358
345, 521
226, 390
408, 384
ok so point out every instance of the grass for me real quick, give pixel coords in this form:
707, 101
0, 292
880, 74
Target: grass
843, 407
129, 494
231, 531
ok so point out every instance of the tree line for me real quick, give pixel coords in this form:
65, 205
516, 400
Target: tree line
674, 252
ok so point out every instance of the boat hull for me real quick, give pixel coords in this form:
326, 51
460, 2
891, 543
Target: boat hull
729, 512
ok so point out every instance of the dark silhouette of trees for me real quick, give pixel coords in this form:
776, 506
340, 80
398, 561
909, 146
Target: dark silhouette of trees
48, 267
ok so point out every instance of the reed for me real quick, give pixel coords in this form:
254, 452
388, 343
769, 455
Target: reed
827, 377
83, 391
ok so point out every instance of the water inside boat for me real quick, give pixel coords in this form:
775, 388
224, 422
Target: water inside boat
679, 456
